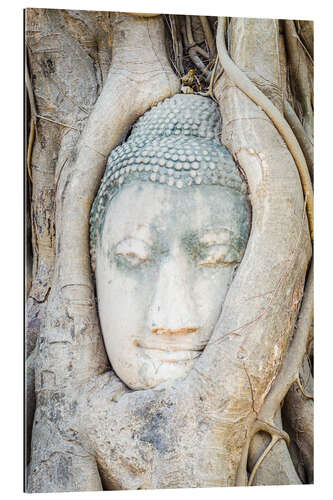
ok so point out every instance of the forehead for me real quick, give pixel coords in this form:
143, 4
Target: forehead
158, 210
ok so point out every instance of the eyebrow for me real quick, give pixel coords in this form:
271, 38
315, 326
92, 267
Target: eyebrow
141, 233
131, 238
207, 236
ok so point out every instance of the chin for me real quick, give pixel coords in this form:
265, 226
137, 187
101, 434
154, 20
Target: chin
151, 375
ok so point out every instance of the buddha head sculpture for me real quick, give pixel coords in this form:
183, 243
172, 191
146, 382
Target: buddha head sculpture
169, 227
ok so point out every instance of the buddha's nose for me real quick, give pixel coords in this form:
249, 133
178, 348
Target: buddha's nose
173, 310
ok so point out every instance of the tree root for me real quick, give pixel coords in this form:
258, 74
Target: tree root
33, 116
194, 49
289, 373
209, 35
300, 386
273, 293
176, 44
301, 135
241, 116
245, 84
291, 366
57, 123
290, 369
305, 31
297, 415
212, 82
299, 73
30, 146
276, 434
30, 91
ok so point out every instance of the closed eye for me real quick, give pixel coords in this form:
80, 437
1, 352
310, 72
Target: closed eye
133, 251
218, 255
132, 259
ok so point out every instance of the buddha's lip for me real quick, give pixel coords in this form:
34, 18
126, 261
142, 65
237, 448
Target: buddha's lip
171, 354
172, 347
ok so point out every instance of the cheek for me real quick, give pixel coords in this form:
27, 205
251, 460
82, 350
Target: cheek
124, 300
210, 289
119, 305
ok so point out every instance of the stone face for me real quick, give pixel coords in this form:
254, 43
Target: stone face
164, 264
166, 237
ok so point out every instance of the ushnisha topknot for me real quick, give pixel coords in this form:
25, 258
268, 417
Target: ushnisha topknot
176, 143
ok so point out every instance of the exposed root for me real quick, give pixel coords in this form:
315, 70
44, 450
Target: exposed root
176, 44
305, 49
57, 123
30, 146
301, 388
276, 435
194, 49
249, 88
301, 135
299, 73
297, 414
289, 373
251, 387
292, 362
199, 64
209, 35
30, 91
273, 293
305, 31
213, 80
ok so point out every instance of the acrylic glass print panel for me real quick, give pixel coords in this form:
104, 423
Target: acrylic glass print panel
169, 228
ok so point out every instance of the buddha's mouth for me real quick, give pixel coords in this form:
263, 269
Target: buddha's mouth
171, 354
